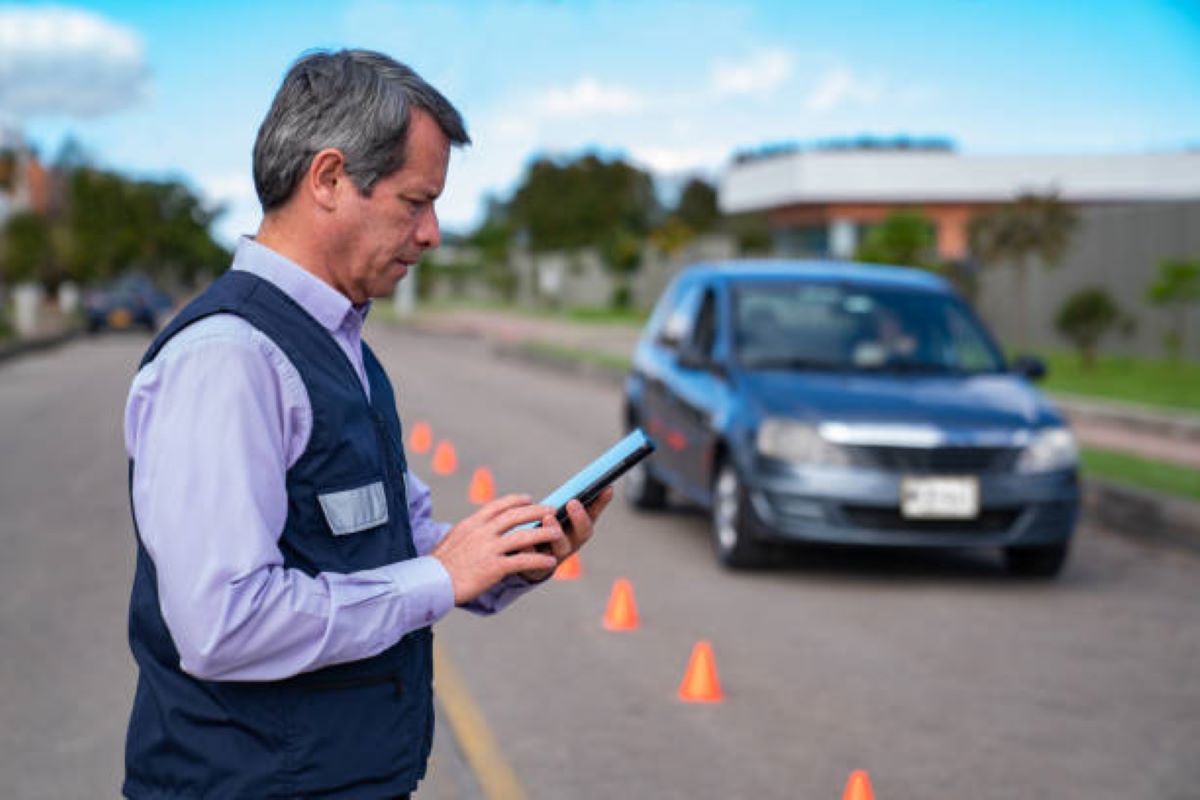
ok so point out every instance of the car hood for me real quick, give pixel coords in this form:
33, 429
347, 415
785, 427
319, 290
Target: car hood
963, 402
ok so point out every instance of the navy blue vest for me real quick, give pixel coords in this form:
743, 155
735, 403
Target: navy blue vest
361, 729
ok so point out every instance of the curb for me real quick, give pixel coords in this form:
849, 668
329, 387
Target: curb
1175, 425
1143, 514
23, 347
588, 369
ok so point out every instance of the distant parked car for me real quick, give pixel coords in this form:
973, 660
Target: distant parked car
132, 301
851, 404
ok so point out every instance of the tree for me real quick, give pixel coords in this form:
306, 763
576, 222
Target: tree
1033, 226
28, 249
622, 254
1177, 287
752, 232
697, 207
1085, 317
114, 224
580, 203
695, 213
904, 238
493, 240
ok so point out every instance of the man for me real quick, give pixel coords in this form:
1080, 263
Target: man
287, 568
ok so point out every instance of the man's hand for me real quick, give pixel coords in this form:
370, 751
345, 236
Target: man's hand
477, 553
582, 525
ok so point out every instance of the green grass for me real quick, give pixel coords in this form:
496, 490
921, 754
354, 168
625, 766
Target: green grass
583, 315
1146, 381
1155, 475
577, 355
603, 315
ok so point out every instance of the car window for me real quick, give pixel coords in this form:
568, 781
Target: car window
704, 333
845, 327
678, 325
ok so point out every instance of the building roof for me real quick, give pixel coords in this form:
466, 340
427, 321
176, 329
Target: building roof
897, 176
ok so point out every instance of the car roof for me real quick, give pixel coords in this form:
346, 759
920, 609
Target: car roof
877, 275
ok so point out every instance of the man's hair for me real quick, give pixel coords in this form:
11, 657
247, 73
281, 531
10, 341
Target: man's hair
357, 101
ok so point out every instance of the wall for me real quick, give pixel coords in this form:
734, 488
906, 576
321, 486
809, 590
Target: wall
1117, 248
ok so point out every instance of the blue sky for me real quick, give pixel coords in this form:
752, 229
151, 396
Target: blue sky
179, 88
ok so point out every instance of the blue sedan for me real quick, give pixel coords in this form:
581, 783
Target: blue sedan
851, 404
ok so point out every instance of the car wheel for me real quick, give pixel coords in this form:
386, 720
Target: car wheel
1036, 562
642, 489
731, 537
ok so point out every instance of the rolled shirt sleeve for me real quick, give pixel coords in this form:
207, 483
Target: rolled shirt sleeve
212, 426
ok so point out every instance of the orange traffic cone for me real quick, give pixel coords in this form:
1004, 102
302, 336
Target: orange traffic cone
482, 488
858, 787
570, 569
700, 684
445, 462
621, 614
421, 438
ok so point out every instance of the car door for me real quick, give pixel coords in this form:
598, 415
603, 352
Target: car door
698, 389
660, 372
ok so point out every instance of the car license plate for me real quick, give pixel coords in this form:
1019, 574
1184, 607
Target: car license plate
939, 498
119, 318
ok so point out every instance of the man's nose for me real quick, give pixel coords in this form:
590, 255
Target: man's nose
429, 233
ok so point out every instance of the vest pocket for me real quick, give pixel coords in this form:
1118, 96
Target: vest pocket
353, 510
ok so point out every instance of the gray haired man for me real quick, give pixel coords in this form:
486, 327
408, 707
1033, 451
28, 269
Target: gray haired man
288, 568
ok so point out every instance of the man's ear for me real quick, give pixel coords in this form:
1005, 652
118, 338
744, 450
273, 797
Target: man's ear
326, 178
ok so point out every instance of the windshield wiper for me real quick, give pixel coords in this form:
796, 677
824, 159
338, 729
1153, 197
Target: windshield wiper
911, 367
813, 364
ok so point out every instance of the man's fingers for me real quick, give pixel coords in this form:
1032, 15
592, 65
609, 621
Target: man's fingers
531, 537
600, 503
561, 546
518, 516
530, 561
495, 508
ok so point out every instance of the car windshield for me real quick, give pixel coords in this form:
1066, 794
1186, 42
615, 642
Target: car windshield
821, 326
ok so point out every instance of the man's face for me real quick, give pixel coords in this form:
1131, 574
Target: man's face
384, 233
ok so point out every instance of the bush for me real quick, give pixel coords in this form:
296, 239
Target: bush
1085, 317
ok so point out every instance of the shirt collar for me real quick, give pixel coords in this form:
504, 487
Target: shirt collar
325, 304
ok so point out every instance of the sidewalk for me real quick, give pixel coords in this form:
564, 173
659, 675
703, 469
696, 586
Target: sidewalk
53, 329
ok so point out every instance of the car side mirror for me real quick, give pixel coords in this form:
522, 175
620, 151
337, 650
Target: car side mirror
690, 358
1030, 367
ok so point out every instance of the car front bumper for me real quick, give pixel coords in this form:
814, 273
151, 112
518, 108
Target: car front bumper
853, 505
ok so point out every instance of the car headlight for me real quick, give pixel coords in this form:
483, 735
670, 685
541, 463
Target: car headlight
1051, 449
788, 440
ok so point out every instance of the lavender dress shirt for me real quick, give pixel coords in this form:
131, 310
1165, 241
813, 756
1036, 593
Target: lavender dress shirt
213, 424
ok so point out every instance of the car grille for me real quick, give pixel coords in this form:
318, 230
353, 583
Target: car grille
989, 520
944, 460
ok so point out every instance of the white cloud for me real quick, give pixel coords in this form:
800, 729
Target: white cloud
761, 73
680, 159
839, 86
589, 97
236, 193
57, 60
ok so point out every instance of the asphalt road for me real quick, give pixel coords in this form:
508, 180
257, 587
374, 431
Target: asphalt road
937, 673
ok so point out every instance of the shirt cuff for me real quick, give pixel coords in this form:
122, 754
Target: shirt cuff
426, 588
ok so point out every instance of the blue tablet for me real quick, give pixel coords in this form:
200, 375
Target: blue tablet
586, 485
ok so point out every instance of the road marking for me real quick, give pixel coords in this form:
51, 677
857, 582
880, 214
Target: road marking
496, 778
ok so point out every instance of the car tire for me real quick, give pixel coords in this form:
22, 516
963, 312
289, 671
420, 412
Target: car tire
643, 490
1036, 562
732, 541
